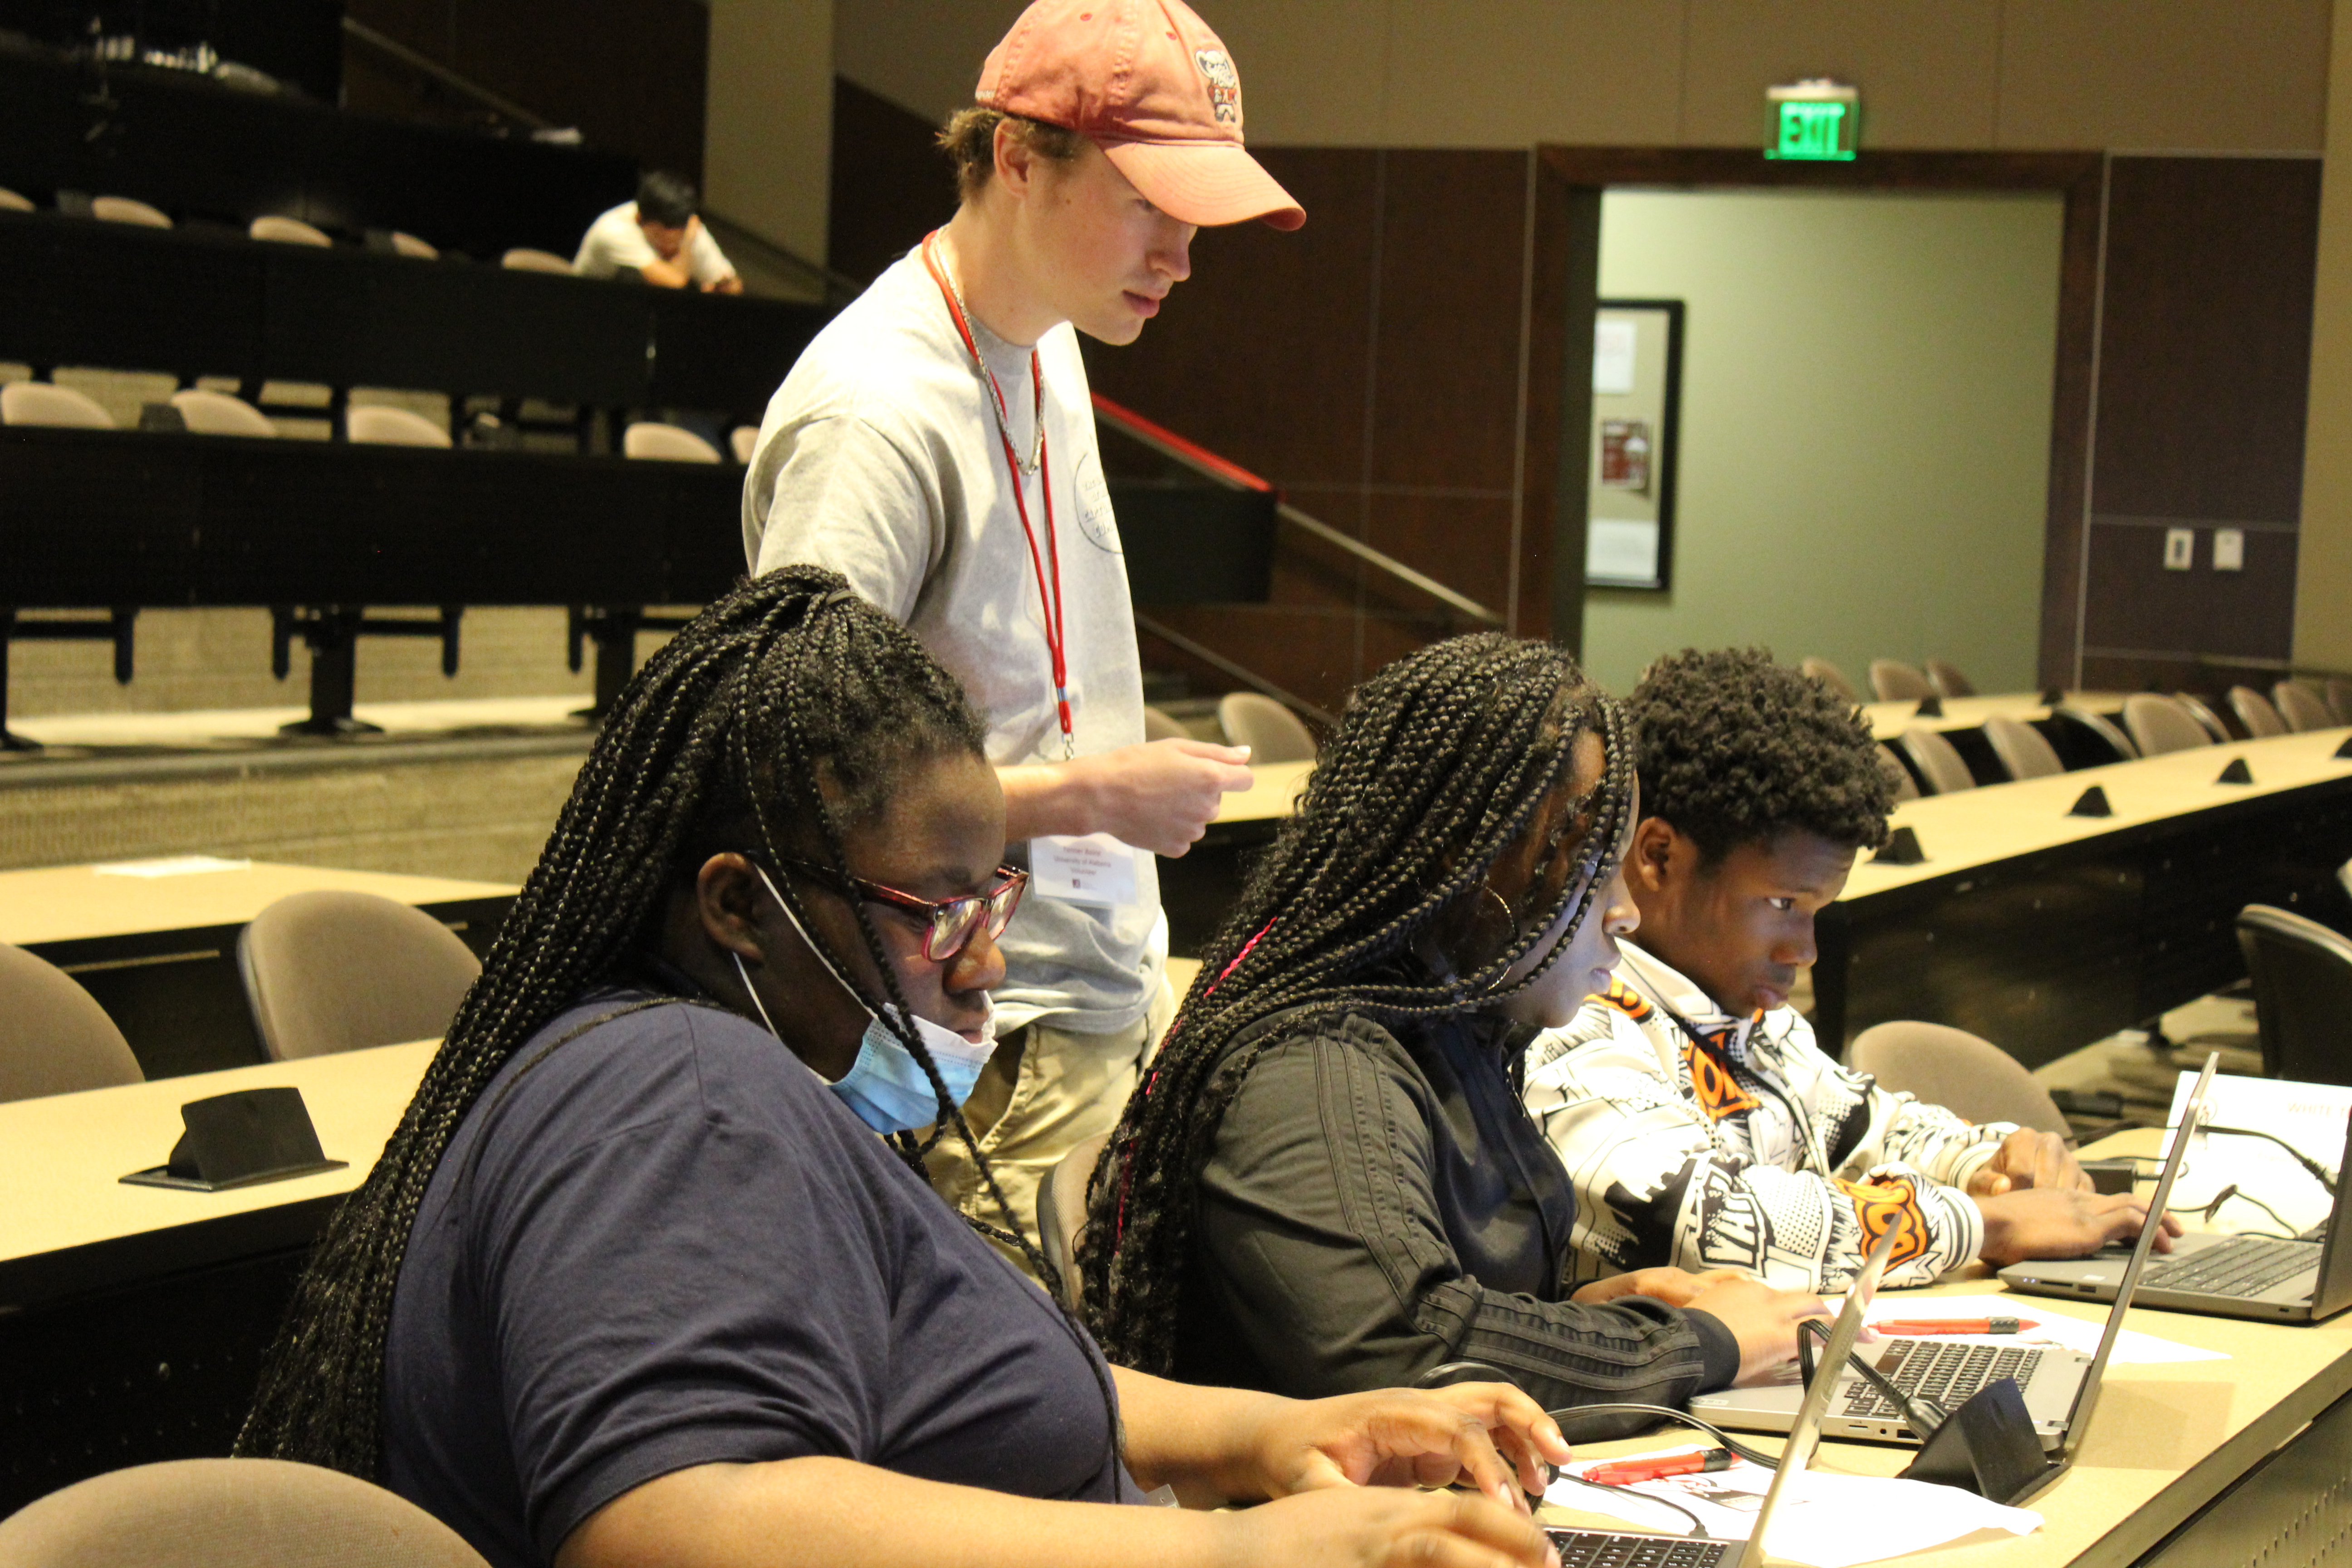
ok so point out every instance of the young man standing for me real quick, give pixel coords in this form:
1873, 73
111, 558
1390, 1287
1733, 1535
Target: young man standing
660, 237
936, 445
1700, 1123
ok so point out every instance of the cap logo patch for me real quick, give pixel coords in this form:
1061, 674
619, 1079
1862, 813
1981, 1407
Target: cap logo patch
1224, 84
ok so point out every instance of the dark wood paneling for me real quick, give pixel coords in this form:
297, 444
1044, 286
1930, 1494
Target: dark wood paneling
1463, 541
1313, 653
1566, 286
2140, 606
2070, 425
890, 184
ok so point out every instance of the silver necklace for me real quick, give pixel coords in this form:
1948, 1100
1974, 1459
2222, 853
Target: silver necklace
996, 393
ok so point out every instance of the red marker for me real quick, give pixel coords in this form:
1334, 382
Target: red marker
1634, 1470
1934, 1326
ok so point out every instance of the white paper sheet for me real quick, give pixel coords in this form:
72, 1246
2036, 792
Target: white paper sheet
1613, 348
1827, 1520
2132, 1347
171, 866
2310, 1116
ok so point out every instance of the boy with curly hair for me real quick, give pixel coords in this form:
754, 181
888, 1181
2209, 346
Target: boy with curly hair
1701, 1124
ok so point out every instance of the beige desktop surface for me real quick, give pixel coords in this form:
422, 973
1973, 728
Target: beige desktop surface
1999, 821
66, 903
1888, 719
62, 1155
1274, 795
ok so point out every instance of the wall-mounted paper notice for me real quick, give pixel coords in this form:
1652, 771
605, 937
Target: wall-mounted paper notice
1612, 357
1621, 549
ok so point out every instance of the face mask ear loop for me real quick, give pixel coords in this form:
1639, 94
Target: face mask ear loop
809, 941
745, 977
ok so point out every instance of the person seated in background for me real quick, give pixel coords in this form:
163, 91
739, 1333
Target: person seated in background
1326, 1181
1701, 1125
650, 1271
660, 237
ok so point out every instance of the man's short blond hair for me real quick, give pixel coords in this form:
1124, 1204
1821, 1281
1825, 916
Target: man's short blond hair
969, 138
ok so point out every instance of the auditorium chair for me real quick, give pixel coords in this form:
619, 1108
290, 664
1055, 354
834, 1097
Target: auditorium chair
2303, 993
229, 1513
287, 231
1830, 676
54, 1036
2203, 712
1937, 760
1161, 725
2099, 728
1898, 778
375, 425
1895, 681
218, 414
2159, 725
409, 244
1062, 1211
1948, 680
2339, 697
2301, 708
523, 259
2254, 711
332, 971
44, 403
743, 440
2023, 751
124, 209
1954, 1068
666, 444
1271, 732
10, 202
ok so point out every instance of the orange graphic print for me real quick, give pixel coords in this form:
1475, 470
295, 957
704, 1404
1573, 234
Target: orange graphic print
1718, 1092
1626, 1000
1889, 1205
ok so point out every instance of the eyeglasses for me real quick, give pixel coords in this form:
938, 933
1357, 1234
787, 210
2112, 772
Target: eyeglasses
949, 923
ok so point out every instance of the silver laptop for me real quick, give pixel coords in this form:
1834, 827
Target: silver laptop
2269, 1280
2059, 1385
1630, 1549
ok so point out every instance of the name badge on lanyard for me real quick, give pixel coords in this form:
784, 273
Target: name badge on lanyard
1093, 868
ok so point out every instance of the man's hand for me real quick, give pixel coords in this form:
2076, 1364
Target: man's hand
2028, 1159
730, 284
1477, 1433
2061, 1221
1159, 796
1674, 1287
1764, 1321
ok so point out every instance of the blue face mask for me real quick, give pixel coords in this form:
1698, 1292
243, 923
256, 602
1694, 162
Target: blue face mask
886, 1086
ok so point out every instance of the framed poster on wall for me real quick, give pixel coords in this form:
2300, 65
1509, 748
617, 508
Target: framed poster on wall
1637, 375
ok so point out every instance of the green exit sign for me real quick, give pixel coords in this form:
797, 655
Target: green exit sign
1815, 120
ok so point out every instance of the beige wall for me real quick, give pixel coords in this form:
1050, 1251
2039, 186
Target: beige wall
1865, 426
2323, 579
2213, 75
768, 118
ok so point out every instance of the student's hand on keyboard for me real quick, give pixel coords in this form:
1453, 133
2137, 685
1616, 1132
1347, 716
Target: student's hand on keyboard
2061, 1221
1379, 1526
2028, 1159
1674, 1287
1764, 1321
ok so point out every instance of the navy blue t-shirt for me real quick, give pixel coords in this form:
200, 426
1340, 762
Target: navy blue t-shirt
667, 1243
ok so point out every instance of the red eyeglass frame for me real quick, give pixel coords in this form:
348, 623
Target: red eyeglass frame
1015, 881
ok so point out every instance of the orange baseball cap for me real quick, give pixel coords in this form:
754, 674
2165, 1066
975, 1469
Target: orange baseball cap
1149, 84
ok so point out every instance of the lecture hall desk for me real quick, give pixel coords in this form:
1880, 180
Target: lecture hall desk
160, 953
1888, 719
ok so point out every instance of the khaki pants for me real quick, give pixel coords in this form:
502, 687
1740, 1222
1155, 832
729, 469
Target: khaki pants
1044, 1091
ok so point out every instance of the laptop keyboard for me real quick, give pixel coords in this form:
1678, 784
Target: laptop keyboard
1608, 1548
1945, 1372
2244, 1266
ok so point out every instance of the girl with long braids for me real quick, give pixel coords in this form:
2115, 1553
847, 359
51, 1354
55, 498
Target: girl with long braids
636, 1281
1328, 1180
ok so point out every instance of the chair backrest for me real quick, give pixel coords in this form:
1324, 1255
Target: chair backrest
2256, 713
377, 425
1271, 732
1159, 724
218, 414
1895, 681
2021, 749
333, 971
1957, 1070
2100, 727
288, 231
54, 1036
1830, 676
41, 403
2159, 725
1937, 760
666, 444
409, 244
124, 209
1949, 682
1900, 777
2203, 712
743, 440
229, 1513
2301, 707
1062, 1210
523, 259
10, 202
2339, 697
2303, 994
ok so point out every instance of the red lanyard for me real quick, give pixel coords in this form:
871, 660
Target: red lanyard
1049, 591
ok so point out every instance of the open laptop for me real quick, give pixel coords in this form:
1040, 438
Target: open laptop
1631, 1549
2263, 1278
2060, 1386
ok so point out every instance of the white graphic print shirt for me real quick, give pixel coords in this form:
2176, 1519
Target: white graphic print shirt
1707, 1141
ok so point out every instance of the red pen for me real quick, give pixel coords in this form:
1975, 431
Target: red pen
1933, 1326
1634, 1470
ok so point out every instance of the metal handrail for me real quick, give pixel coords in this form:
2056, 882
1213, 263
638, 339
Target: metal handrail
1240, 672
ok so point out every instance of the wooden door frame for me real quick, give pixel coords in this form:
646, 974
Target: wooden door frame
1566, 258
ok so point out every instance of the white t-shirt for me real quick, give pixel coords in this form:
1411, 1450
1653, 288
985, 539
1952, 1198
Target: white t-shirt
614, 241
879, 458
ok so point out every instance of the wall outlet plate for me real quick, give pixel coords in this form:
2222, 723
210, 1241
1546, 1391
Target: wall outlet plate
2228, 550
2179, 549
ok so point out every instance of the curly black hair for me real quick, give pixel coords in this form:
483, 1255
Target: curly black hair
1735, 749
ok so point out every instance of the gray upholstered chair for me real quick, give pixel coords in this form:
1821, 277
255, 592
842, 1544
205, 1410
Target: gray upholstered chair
1830, 676
2254, 711
43, 403
218, 414
54, 1036
1948, 679
10, 202
2159, 725
128, 209
1062, 1210
2339, 697
229, 1513
334, 971
2301, 707
1271, 732
523, 259
653, 440
379, 424
2303, 994
744, 442
1161, 725
1898, 778
288, 231
1895, 681
2021, 749
1937, 761
2203, 712
1957, 1070
2099, 727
